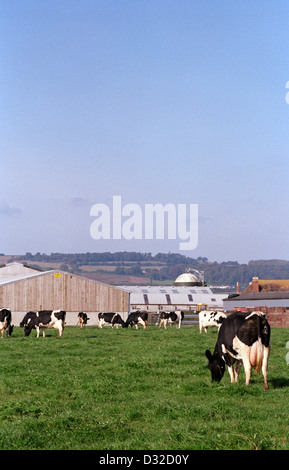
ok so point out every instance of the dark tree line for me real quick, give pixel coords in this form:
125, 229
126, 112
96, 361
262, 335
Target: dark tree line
166, 266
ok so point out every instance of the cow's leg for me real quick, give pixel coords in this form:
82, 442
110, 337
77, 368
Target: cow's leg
142, 322
247, 367
206, 331
43, 332
161, 322
237, 369
232, 373
266, 352
2, 333
37, 331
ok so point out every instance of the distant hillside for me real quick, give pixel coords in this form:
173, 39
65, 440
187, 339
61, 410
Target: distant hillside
144, 268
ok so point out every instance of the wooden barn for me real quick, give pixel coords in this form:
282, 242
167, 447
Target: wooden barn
52, 290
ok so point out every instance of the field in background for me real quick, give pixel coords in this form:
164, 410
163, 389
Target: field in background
106, 272
133, 268
127, 389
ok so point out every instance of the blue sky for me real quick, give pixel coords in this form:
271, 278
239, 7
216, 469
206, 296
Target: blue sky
160, 101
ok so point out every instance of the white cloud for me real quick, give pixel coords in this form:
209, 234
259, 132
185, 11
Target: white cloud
7, 210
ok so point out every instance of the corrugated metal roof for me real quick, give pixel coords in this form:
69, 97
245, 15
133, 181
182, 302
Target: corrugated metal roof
259, 296
21, 277
257, 299
174, 295
15, 270
52, 271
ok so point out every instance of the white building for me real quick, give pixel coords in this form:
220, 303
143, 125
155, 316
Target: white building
188, 292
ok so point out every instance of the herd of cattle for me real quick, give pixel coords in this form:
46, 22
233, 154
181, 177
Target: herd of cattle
243, 338
56, 319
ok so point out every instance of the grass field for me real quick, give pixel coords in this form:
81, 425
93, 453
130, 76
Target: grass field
126, 389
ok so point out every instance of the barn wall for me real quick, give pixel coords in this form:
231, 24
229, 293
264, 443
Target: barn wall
60, 290
276, 316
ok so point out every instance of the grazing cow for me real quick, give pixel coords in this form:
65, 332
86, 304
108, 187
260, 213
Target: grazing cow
245, 338
209, 318
171, 317
44, 319
82, 319
136, 317
110, 318
5, 322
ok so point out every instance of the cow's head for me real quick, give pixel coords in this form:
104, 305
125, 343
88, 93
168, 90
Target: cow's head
27, 330
27, 323
216, 366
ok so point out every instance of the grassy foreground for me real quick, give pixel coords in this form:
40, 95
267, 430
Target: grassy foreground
126, 389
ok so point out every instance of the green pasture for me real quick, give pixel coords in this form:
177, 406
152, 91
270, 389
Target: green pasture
127, 389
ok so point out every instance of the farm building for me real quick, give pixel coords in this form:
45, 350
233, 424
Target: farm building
258, 299
269, 296
187, 293
13, 270
23, 289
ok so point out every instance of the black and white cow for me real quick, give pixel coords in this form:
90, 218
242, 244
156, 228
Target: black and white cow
5, 322
171, 317
110, 318
208, 318
245, 338
136, 318
82, 319
44, 319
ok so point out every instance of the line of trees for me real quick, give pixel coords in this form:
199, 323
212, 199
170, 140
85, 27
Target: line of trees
166, 266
